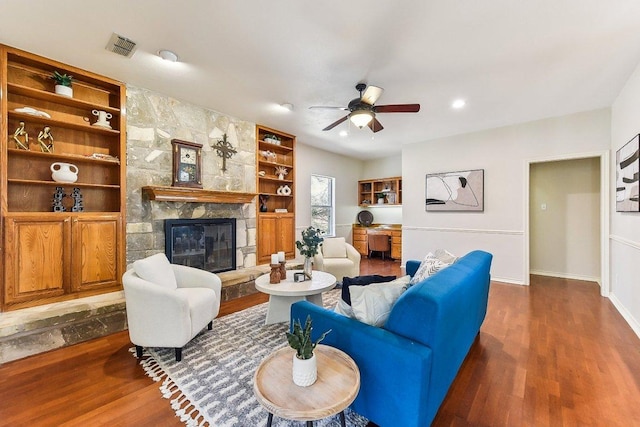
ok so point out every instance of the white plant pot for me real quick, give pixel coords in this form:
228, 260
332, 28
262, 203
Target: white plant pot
305, 372
381, 201
64, 90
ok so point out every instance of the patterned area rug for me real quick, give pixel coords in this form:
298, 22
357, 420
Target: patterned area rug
213, 384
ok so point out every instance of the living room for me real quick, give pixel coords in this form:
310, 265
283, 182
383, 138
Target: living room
589, 113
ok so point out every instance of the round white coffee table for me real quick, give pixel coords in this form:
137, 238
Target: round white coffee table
285, 293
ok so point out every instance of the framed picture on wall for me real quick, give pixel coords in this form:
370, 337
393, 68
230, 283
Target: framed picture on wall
455, 191
627, 185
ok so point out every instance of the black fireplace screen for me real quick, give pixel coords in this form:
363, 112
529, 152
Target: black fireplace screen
208, 244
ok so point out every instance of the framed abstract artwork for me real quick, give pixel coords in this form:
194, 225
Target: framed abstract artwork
455, 191
627, 164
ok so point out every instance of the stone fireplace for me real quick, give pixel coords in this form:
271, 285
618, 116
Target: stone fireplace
153, 119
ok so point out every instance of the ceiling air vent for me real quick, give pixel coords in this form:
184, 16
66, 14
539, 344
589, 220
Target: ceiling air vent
121, 45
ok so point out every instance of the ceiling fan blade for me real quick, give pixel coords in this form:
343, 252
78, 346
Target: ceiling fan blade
336, 123
375, 125
398, 108
371, 94
325, 107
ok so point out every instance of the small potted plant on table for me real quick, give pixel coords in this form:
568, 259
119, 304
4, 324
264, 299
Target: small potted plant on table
305, 365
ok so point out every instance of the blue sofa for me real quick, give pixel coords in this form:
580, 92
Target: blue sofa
408, 365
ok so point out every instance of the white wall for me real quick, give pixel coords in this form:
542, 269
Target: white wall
504, 154
385, 167
564, 224
346, 171
625, 227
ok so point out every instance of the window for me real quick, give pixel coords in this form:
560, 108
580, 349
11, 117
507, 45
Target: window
322, 204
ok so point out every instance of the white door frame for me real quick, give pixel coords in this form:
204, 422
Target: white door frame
604, 212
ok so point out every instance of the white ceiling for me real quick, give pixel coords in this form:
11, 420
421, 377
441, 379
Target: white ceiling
512, 60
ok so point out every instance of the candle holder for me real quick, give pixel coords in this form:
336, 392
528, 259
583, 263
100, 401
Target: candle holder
274, 276
283, 270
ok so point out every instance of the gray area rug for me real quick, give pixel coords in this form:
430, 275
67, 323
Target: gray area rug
213, 384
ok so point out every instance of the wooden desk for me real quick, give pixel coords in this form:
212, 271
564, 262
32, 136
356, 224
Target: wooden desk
392, 230
335, 389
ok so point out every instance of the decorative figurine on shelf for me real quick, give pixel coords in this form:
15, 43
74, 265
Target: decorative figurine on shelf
281, 171
263, 202
77, 200
45, 138
20, 132
225, 150
268, 155
57, 200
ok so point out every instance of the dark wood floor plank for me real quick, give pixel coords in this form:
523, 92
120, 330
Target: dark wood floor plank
552, 354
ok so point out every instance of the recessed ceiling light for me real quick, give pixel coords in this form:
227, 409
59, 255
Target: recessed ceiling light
458, 103
344, 133
167, 55
287, 106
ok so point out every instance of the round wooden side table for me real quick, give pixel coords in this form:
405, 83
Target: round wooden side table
337, 386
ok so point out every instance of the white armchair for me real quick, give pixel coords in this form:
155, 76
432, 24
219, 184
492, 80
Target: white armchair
338, 257
168, 304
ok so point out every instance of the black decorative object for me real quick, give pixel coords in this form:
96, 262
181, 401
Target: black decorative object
225, 150
77, 200
263, 202
57, 200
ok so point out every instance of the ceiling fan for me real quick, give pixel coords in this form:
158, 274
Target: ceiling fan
362, 110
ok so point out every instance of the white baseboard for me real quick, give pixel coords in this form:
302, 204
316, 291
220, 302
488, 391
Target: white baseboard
566, 276
635, 326
507, 280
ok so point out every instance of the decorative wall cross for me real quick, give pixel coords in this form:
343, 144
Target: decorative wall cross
224, 150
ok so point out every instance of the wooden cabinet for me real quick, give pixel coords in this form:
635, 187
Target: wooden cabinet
275, 233
370, 189
396, 244
275, 160
76, 248
360, 238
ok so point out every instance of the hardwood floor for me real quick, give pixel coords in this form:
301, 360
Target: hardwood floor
552, 354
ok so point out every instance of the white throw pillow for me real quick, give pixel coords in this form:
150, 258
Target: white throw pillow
372, 304
334, 248
343, 308
156, 269
445, 256
429, 266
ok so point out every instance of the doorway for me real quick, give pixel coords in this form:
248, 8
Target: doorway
567, 217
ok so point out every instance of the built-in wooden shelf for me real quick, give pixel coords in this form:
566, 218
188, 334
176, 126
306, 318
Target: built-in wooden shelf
196, 195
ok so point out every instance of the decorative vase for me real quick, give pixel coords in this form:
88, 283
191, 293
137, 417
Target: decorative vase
64, 90
381, 201
307, 267
64, 172
305, 371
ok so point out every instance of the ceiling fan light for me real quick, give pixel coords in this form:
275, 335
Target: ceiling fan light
361, 118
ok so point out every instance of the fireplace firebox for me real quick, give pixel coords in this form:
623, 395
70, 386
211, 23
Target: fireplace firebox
207, 244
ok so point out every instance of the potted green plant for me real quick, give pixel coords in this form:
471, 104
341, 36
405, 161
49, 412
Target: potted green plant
380, 197
63, 84
305, 367
271, 138
308, 247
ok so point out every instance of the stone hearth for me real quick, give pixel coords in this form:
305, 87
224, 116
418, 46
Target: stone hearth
47, 327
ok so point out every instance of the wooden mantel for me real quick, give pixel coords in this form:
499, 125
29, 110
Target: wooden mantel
196, 195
